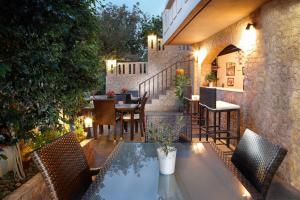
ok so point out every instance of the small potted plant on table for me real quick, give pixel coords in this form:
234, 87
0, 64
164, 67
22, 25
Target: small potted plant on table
165, 134
110, 94
211, 78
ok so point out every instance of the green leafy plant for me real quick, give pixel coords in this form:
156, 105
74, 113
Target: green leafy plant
211, 77
49, 55
165, 134
181, 82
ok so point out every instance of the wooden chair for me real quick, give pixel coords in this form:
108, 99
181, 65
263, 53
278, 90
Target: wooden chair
139, 117
104, 114
64, 168
258, 160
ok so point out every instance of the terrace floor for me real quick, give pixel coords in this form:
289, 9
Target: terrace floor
105, 144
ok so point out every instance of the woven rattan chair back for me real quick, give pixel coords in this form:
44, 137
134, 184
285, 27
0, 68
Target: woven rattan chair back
64, 167
104, 112
258, 159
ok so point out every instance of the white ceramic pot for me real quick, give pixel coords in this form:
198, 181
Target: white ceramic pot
167, 162
211, 84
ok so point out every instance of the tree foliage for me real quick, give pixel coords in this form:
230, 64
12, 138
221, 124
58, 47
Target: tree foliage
120, 30
124, 32
151, 25
49, 55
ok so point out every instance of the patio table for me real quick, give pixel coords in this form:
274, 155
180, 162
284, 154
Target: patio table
132, 172
127, 108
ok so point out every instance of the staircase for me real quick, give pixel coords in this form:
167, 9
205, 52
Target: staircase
160, 87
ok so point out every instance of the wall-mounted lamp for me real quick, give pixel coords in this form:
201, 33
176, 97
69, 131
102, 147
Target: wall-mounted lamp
248, 37
200, 55
249, 26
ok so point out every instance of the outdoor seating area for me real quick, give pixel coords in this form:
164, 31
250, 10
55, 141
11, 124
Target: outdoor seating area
150, 100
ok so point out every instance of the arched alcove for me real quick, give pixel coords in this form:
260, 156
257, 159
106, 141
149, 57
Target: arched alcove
227, 61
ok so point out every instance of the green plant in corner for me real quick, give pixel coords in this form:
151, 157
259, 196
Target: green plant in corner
181, 82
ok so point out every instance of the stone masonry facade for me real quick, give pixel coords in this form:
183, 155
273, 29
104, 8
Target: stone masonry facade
159, 58
270, 103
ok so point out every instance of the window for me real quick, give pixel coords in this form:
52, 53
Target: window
141, 69
129, 68
123, 68
145, 69
119, 69
133, 68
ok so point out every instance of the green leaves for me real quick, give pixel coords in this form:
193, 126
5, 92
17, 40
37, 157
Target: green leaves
49, 55
4, 69
181, 82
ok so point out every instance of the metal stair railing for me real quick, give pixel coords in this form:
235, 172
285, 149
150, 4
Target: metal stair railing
162, 81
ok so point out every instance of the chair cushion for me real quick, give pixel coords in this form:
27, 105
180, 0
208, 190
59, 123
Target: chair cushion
127, 117
257, 159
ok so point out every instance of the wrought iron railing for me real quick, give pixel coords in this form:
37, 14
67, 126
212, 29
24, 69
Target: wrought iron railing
160, 82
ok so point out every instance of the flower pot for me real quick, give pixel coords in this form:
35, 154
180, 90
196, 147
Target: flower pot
211, 84
167, 162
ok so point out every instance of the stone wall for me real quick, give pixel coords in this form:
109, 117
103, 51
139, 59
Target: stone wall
157, 61
270, 103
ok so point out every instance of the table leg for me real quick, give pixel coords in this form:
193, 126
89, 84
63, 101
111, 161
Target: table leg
219, 123
200, 116
122, 125
215, 126
228, 128
238, 125
207, 123
132, 124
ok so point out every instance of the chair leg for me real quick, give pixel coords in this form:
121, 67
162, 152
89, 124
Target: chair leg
95, 130
115, 132
136, 126
101, 129
125, 127
141, 127
144, 122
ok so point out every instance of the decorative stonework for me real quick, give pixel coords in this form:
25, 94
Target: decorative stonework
270, 103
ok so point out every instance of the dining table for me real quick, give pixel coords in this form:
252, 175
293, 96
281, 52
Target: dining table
132, 173
127, 108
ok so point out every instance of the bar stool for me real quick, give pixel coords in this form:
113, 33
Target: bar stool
215, 129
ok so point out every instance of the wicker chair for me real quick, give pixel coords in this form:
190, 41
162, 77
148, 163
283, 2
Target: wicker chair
258, 159
64, 168
104, 114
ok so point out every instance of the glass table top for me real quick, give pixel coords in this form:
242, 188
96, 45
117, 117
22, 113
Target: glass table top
133, 174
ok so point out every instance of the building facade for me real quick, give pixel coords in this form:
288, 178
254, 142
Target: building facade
130, 74
261, 73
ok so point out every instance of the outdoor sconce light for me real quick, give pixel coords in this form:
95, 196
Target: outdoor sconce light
249, 26
200, 55
248, 37
88, 124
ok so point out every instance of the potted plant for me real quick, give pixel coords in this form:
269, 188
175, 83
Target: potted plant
181, 81
211, 78
165, 134
124, 90
110, 94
